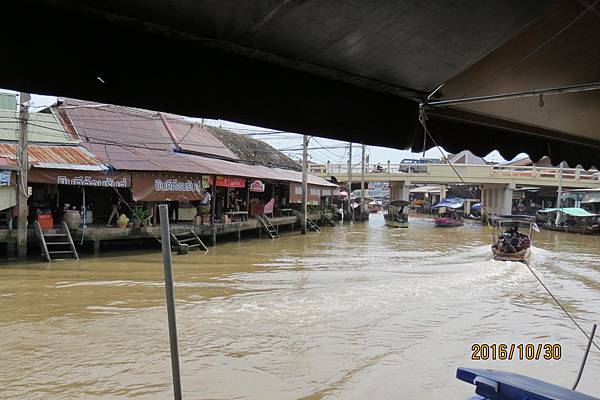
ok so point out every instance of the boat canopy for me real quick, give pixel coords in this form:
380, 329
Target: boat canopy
572, 211
454, 203
399, 203
514, 218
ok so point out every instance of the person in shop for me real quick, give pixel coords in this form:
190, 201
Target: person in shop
204, 205
117, 203
174, 211
149, 214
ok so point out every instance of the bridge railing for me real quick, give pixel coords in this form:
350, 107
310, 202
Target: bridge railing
545, 172
477, 170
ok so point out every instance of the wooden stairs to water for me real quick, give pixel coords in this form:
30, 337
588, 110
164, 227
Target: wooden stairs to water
312, 225
328, 218
56, 244
268, 226
189, 239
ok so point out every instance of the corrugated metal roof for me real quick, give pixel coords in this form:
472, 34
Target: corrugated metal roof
56, 157
42, 128
195, 138
136, 140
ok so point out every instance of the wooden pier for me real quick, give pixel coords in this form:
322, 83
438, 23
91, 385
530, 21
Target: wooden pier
96, 234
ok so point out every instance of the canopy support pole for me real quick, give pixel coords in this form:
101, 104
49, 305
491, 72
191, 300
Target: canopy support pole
513, 95
165, 238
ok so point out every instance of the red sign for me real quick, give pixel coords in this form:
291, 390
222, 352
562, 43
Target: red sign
232, 182
257, 186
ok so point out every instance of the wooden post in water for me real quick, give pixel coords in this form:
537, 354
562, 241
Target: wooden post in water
165, 237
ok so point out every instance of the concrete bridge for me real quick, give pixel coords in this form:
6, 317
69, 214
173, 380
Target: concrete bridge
497, 182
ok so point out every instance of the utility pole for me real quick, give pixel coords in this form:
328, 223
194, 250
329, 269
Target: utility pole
350, 209
304, 184
362, 183
23, 193
559, 191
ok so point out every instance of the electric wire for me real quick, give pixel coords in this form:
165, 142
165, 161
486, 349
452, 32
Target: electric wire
423, 121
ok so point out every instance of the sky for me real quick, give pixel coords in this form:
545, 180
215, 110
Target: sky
321, 150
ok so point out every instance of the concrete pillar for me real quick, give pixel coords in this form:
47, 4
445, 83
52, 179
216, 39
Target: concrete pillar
96, 247
443, 190
399, 190
497, 199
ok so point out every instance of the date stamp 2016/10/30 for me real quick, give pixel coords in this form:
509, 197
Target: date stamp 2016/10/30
514, 351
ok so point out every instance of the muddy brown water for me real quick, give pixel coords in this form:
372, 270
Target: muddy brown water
353, 312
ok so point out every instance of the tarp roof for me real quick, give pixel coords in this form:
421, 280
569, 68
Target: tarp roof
426, 189
352, 70
572, 211
450, 203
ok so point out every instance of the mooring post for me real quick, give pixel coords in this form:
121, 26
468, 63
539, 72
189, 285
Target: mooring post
165, 238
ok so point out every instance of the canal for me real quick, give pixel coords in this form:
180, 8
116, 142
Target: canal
354, 312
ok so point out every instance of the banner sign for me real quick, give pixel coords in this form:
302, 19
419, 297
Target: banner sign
314, 194
232, 182
5, 177
80, 178
166, 187
257, 186
269, 207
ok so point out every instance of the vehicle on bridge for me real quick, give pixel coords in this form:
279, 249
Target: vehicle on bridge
416, 165
512, 245
397, 215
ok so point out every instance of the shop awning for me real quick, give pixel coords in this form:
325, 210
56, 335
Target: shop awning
454, 203
591, 197
148, 186
426, 189
572, 211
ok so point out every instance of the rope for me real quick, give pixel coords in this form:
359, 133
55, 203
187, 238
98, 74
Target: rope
423, 121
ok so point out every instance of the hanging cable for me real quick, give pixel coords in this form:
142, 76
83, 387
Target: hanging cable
423, 121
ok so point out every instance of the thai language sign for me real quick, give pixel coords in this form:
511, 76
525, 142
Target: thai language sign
80, 178
314, 194
166, 187
5, 177
230, 181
